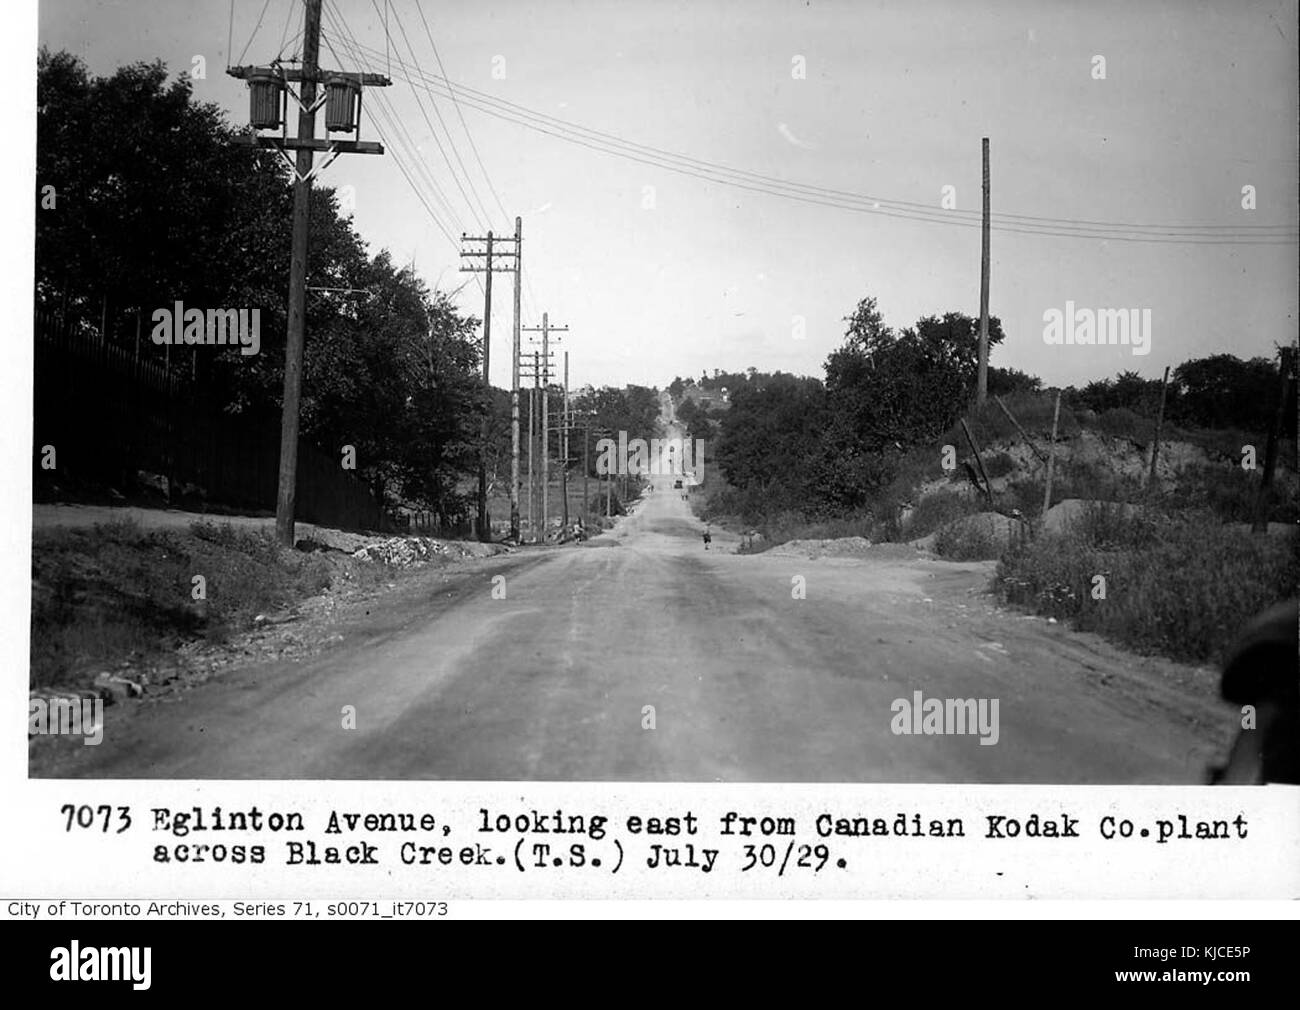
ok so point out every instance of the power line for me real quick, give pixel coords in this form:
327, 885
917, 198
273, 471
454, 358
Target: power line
469, 136
906, 210
397, 129
401, 140
349, 41
771, 180
255, 27
284, 34
480, 222
487, 217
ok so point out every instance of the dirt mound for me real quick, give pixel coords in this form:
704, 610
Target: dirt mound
403, 552
991, 527
842, 547
1068, 511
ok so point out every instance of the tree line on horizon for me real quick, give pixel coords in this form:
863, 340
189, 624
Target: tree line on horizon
827, 446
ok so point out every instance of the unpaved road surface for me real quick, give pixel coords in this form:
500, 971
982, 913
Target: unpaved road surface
741, 680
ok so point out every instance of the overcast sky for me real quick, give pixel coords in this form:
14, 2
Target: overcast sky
1198, 100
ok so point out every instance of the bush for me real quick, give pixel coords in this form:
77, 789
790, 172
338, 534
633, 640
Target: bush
967, 541
1231, 494
998, 464
1120, 422
1179, 585
935, 510
100, 595
1032, 410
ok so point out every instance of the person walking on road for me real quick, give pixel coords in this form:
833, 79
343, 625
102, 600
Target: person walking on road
708, 539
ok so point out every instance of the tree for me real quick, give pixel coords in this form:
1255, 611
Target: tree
770, 435
890, 390
154, 202
1222, 391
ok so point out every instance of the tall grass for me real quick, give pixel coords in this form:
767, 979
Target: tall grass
1182, 585
107, 594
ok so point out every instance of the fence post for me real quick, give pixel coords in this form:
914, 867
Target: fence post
1051, 457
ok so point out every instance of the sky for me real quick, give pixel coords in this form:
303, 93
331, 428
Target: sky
659, 274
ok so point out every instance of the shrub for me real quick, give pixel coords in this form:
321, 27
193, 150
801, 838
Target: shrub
936, 510
967, 541
1120, 422
998, 464
1180, 585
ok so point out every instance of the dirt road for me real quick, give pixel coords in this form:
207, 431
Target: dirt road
640, 656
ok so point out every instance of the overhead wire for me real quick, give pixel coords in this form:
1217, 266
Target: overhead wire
396, 128
438, 223
486, 217
1200, 234
256, 27
464, 125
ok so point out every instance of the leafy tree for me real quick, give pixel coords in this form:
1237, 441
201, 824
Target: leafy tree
890, 389
1222, 391
1005, 381
155, 202
770, 435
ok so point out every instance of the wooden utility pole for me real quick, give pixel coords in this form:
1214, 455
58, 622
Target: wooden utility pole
492, 257
1051, 455
532, 438
267, 86
514, 389
484, 527
988, 487
484, 533
1023, 434
546, 432
1259, 522
983, 390
564, 445
546, 329
287, 494
1155, 441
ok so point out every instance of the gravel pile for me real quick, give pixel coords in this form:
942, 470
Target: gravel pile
403, 552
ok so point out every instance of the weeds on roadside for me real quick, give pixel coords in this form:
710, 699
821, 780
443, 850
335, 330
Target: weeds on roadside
1182, 585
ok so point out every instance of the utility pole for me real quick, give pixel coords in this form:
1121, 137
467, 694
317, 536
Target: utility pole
514, 389
546, 329
564, 445
586, 464
1155, 441
532, 411
1051, 456
267, 110
1259, 521
983, 389
485, 534
488, 255
537, 369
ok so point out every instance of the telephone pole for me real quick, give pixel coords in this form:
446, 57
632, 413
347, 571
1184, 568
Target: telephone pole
564, 445
268, 108
532, 440
534, 370
514, 389
983, 390
546, 329
488, 268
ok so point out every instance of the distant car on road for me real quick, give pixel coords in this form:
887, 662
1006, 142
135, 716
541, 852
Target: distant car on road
677, 485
